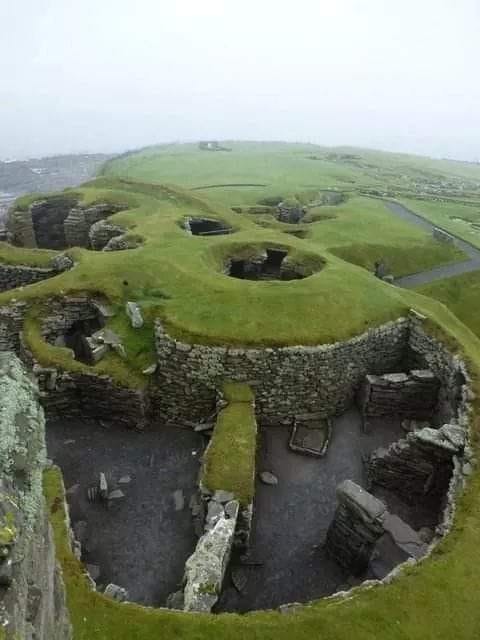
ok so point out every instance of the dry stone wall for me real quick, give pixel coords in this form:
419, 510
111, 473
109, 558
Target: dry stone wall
287, 381
412, 395
59, 222
13, 276
12, 317
32, 598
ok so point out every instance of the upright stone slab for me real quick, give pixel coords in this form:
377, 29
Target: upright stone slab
205, 568
356, 526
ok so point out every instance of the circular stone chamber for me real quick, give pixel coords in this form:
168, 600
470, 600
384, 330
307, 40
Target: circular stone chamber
271, 263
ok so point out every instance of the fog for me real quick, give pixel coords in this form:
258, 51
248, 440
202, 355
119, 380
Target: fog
107, 75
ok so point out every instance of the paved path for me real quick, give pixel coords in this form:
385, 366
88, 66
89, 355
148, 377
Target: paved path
441, 272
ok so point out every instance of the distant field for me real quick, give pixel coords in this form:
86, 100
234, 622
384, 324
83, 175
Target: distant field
461, 219
461, 295
286, 168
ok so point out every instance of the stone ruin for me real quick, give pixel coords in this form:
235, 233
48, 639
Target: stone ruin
267, 264
366, 536
32, 595
206, 227
60, 221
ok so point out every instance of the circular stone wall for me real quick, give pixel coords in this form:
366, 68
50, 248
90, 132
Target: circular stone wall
271, 263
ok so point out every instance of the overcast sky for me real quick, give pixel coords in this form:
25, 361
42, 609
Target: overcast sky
107, 75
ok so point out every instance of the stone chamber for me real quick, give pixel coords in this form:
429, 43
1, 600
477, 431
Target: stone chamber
270, 263
61, 221
382, 493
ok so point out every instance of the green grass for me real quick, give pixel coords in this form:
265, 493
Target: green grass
179, 279
30, 257
229, 462
456, 218
124, 372
461, 294
363, 231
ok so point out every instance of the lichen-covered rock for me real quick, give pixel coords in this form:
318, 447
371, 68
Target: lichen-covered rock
121, 243
28, 570
205, 568
135, 315
61, 262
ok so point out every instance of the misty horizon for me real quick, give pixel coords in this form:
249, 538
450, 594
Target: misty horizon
112, 77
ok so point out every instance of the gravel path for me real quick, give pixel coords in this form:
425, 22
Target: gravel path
441, 272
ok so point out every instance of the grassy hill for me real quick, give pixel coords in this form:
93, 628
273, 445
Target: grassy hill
180, 279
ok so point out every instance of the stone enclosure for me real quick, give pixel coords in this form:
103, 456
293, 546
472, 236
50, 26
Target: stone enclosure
60, 221
394, 371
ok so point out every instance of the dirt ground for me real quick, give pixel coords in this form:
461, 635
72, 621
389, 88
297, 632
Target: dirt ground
291, 519
142, 540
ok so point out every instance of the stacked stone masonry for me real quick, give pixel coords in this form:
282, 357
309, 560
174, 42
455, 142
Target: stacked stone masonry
356, 527
360, 524
419, 466
32, 598
59, 222
292, 381
13, 276
287, 381
413, 395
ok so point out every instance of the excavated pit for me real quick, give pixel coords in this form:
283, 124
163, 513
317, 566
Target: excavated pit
287, 560
140, 540
267, 264
206, 227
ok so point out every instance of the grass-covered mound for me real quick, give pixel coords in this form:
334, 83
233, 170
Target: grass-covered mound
229, 461
179, 278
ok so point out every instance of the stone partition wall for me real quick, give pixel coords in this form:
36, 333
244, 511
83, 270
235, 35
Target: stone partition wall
447, 367
32, 595
412, 395
13, 276
12, 317
68, 395
287, 381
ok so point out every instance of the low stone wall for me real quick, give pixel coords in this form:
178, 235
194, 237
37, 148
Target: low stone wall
447, 367
360, 525
443, 236
64, 312
13, 276
87, 396
421, 465
32, 599
412, 395
12, 317
355, 528
287, 381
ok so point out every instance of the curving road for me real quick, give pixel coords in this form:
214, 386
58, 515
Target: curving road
441, 272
